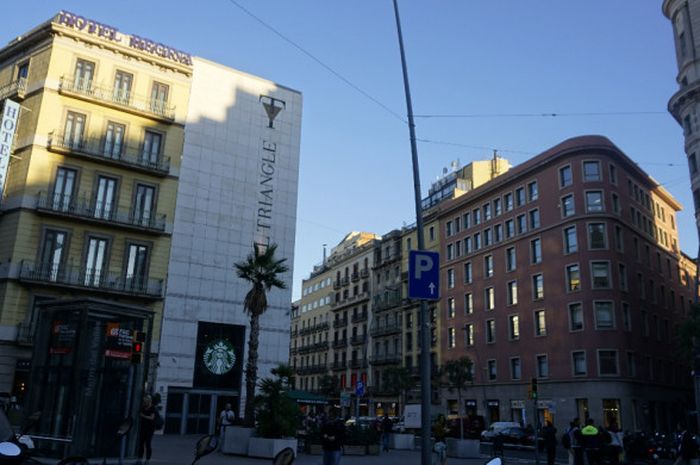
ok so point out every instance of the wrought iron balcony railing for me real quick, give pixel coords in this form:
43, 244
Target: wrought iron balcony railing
358, 339
339, 365
358, 363
340, 323
114, 154
360, 317
117, 97
91, 279
386, 329
16, 88
386, 359
99, 212
340, 343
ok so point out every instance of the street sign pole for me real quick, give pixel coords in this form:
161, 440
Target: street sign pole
424, 319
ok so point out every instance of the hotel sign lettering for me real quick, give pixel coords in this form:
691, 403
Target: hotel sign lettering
104, 31
8, 125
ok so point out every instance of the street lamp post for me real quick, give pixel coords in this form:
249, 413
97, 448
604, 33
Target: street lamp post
424, 317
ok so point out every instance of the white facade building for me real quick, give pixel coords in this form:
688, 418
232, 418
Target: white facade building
238, 186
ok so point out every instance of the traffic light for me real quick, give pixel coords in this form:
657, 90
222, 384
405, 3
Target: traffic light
138, 339
533, 388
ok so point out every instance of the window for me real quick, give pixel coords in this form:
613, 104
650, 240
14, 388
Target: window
467, 220
532, 191
23, 70
575, 317
159, 97
522, 225
469, 335
594, 201
488, 266
622, 276
488, 237
468, 272
489, 303
497, 207
573, 278
567, 205
491, 368
137, 267
565, 176
487, 211
508, 201
122, 87
105, 197
510, 229
448, 229
542, 366
535, 251
84, 73
467, 245
150, 153
538, 287
52, 254
578, 362
540, 323
519, 197
534, 218
512, 294
607, 362
114, 140
476, 214
74, 130
490, 331
477, 241
613, 174
64, 189
144, 203
498, 233
626, 317
450, 307
591, 171
450, 278
631, 365
619, 239
450, 338
604, 315
468, 303
511, 260
692, 164
600, 275
513, 327
95, 260
570, 240
616, 204
515, 368
597, 237
431, 233
450, 252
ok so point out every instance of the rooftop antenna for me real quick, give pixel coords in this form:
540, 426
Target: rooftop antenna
324, 253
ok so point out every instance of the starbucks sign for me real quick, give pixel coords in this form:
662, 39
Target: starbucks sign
219, 358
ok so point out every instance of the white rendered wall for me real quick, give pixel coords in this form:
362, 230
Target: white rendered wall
217, 212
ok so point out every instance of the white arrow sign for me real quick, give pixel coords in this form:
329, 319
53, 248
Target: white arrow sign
431, 286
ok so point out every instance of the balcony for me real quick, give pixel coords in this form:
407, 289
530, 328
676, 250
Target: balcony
336, 285
344, 281
386, 359
87, 279
339, 365
25, 334
385, 304
356, 363
355, 276
360, 317
312, 369
358, 340
364, 273
340, 323
117, 98
340, 343
322, 326
15, 89
386, 329
104, 214
94, 149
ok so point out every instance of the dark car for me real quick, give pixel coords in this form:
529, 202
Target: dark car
473, 426
517, 435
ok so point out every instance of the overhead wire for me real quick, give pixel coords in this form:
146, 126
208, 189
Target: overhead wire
541, 115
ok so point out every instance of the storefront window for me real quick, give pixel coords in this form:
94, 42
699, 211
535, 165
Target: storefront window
611, 412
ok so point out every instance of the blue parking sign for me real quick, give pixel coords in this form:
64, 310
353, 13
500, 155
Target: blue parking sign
423, 275
360, 389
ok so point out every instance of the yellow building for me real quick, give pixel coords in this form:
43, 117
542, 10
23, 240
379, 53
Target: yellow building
88, 204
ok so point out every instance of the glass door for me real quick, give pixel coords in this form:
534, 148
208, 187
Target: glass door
143, 204
73, 134
63, 190
114, 140
105, 198
52, 254
122, 87
159, 97
151, 148
136, 267
84, 72
95, 261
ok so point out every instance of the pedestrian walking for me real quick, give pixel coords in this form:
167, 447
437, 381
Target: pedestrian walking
387, 426
616, 446
570, 442
440, 434
332, 439
226, 418
147, 427
688, 448
590, 440
549, 437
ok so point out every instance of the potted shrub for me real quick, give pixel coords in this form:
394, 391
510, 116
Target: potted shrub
355, 441
277, 416
458, 374
398, 380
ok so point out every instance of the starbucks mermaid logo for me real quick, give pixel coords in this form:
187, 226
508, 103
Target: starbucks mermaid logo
219, 357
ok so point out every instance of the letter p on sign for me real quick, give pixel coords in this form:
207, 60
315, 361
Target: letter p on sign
423, 275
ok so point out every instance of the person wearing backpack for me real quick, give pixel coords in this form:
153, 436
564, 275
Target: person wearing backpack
570, 442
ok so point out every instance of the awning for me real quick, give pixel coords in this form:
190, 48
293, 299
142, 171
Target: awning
305, 397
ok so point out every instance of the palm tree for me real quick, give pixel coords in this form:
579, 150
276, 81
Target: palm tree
262, 270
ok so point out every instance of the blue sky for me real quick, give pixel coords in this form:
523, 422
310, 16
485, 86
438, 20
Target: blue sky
464, 57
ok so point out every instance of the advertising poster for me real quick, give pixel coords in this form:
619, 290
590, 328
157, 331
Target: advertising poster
219, 359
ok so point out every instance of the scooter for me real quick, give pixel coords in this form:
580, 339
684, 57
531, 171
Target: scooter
208, 444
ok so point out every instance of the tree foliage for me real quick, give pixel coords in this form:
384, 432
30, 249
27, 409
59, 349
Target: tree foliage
458, 375
278, 416
329, 385
689, 333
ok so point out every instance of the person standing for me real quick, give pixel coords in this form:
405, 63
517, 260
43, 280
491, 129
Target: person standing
147, 427
549, 436
573, 436
688, 448
332, 439
591, 442
226, 418
616, 446
387, 426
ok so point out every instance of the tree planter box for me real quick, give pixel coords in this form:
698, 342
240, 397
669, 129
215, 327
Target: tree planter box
354, 450
236, 440
463, 448
269, 448
402, 441
315, 449
373, 449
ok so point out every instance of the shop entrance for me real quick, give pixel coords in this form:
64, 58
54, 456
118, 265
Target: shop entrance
192, 411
